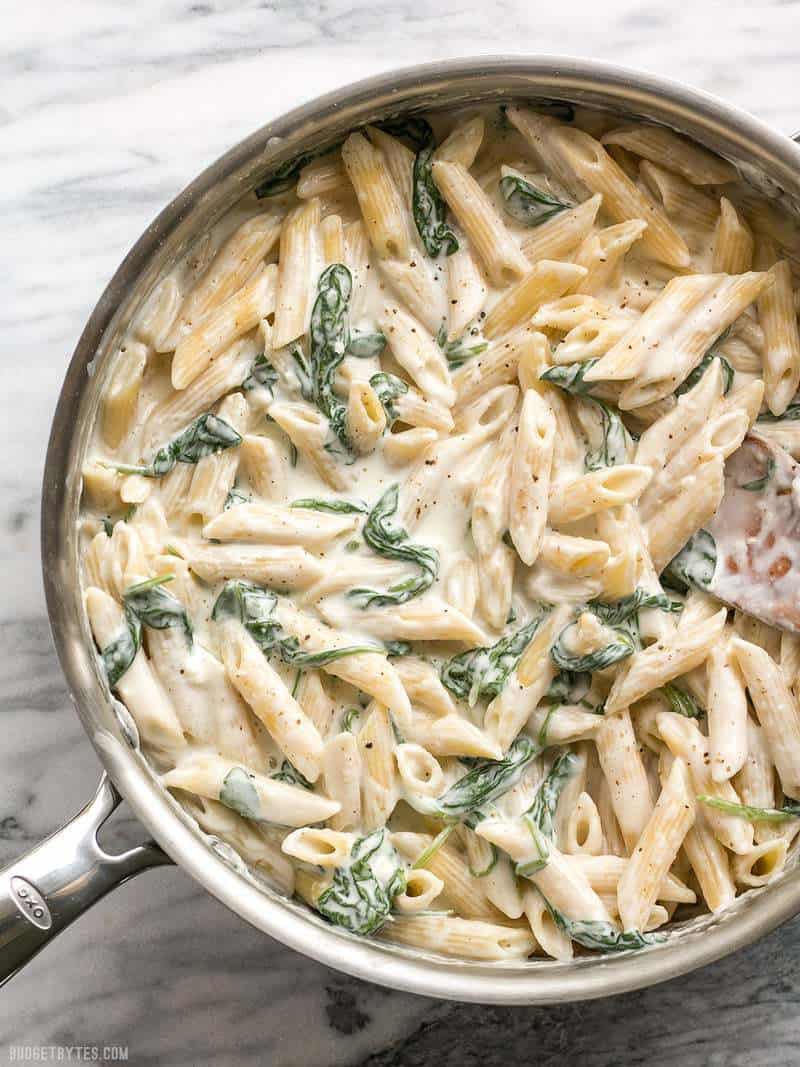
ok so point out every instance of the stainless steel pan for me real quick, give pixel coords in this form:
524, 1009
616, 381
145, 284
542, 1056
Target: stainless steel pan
45, 890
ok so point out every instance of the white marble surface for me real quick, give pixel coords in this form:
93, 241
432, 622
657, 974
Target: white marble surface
107, 109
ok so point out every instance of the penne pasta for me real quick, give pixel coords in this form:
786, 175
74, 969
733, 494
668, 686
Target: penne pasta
388, 493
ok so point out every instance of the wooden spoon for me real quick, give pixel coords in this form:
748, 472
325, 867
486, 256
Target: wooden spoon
748, 556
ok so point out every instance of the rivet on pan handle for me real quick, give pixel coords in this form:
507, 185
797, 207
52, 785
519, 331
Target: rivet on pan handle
45, 890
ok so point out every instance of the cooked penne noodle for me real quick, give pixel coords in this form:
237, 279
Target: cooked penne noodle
468, 938
318, 846
727, 715
260, 685
341, 774
499, 253
733, 242
175, 413
308, 431
690, 208
461, 146
697, 499
294, 297
215, 474
418, 354
562, 234
265, 465
153, 324
670, 150
376, 745
236, 316
232, 267
248, 792
527, 684
500, 364
684, 740
610, 487
777, 710
323, 175
378, 197
466, 292
600, 253
778, 319
145, 698
548, 280
416, 284
665, 832
119, 403
529, 487
659, 663
628, 784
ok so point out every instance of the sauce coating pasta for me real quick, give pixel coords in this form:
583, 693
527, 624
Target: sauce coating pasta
399, 532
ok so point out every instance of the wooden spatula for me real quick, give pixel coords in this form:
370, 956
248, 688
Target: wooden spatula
748, 556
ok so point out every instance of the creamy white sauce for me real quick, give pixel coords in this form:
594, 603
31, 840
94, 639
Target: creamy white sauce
195, 681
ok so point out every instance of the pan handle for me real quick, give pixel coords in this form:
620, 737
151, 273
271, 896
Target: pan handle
45, 890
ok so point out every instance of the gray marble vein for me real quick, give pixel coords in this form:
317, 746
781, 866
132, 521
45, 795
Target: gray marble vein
107, 108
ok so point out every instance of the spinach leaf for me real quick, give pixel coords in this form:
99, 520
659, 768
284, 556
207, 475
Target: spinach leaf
427, 854
388, 388
790, 809
416, 131
569, 377
542, 846
600, 935
527, 204
429, 208
559, 109
695, 564
366, 345
349, 719
568, 688
329, 337
207, 434
239, 794
397, 648
359, 898
336, 507
235, 496
618, 612
692, 379
614, 440
482, 672
490, 866
285, 176
303, 374
292, 653
144, 604
289, 773
681, 702
487, 780
392, 542
120, 653
153, 606
542, 810
621, 647
262, 375
109, 523
457, 352
792, 414
253, 607
759, 484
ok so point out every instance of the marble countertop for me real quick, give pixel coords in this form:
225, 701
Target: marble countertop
106, 110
